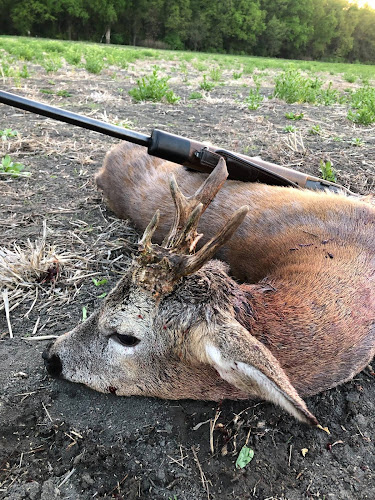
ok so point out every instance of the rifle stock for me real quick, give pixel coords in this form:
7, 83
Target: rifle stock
192, 154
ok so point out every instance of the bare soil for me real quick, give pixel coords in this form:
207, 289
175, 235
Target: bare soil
64, 441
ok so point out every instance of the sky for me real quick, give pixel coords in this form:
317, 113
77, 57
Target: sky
371, 3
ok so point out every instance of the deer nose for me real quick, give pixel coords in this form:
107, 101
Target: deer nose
52, 362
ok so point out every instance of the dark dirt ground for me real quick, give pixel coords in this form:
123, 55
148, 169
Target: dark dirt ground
64, 441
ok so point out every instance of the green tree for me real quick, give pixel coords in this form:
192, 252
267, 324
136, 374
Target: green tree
107, 13
239, 22
28, 14
364, 37
177, 15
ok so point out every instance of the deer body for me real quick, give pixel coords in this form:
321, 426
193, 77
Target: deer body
177, 326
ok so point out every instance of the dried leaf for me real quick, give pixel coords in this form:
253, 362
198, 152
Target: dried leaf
304, 451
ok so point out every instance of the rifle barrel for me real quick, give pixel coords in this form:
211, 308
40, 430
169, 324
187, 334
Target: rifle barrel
74, 119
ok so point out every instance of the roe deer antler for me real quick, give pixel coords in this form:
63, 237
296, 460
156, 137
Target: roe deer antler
158, 268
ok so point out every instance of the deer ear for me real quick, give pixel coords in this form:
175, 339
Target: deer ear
246, 363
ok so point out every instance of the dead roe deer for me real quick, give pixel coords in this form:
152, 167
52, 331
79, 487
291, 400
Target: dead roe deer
177, 326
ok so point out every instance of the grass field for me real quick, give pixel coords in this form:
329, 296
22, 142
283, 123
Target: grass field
292, 81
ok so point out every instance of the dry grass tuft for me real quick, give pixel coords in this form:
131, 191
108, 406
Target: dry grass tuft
37, 262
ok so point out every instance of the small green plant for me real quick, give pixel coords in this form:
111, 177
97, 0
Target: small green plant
327, 171
245, 456
237, 75
63, 93
205, 85
47, 91
153, 88
99, 282
7, 166
94, 64
315, 130
24, 72
293, 116
216, 74
7, 133
255, 98
350, 78
362, 104
290, 129
199, 66
356, 141
72, 57
195, 95
51, 64
84, 313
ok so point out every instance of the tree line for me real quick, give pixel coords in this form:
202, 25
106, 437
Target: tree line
302, 29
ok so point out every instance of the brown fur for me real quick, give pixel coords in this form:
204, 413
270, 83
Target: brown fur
315, 253
303, 321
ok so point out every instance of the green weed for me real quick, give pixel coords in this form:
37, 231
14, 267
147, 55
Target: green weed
195, 95
206, 85
24, 72
236, 75
7, 133
7, 166
216, 74
362, 103
63, 93
315, 130
294, 116
153, 88
350, 78
292, 86
99, 282
327, 171
72, 57
255, 98
94, 64
51, 64
356, 141
290, 129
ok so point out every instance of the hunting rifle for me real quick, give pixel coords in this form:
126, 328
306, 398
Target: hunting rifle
192, 154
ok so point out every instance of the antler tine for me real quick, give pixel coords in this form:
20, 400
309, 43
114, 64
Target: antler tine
186, 205
182, 208
145, 241
208, 190
194, 262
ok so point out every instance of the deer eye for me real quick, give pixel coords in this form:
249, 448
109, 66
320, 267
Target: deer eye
128, 340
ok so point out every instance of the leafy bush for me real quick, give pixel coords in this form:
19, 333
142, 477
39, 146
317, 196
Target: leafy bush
363, 106
292, 86
72, 57
94, 64
153, 88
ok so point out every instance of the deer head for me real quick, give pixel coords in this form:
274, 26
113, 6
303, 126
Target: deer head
169, 329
